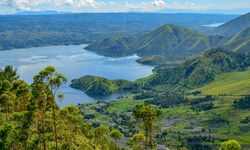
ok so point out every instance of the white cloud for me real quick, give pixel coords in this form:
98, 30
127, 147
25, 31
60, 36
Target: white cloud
113, 6
144, 6
159, 3
30, 4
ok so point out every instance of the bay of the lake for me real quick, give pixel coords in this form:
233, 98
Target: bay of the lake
73, 61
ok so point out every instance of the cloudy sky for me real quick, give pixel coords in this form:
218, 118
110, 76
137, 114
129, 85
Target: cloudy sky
213, 6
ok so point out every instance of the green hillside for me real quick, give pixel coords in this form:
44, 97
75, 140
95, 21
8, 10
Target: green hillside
93, 85
113, 46
156, 60
240, 42
167, 40
234, 26
171, 40
201, 69
236, 83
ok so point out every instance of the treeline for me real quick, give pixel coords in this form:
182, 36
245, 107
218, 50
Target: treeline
31, 119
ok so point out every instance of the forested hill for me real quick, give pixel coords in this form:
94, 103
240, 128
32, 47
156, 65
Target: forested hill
171, 40
167, 40
63, 29
201, 69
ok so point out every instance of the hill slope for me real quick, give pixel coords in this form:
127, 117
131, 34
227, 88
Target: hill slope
229, 83
113, 46
171, 40
234, 26
201, 69
93, 85
167, 40
240, 42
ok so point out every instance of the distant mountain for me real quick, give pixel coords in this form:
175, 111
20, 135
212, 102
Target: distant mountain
234, 26
24, 13
209, 12
40, 29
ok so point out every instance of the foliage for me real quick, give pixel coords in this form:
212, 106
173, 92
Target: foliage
230, 145
168, 101
116, 134
33, 120
101, 134
148, 114
199, 142
203, 106
137, 141
243, 103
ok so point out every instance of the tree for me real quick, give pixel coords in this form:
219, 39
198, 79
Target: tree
23, 94
101, 137
230, 145
148, 114
50, 81
70, 123
116, 134
137, 141
9, 73
6, 136
7, 102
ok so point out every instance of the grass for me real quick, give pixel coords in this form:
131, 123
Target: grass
124, 105
182, 120
235, 83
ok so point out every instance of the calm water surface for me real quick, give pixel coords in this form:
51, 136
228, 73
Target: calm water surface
73, 61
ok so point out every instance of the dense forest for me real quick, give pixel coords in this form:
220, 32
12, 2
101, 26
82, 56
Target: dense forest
32, 119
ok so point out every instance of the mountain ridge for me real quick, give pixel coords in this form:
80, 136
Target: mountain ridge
234, 26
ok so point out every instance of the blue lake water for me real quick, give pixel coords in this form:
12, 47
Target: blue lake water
73, 61
214, 25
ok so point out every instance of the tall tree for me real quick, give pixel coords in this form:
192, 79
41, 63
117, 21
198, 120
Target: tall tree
51, 81
101, 134
137, 141
148, 114
116, 134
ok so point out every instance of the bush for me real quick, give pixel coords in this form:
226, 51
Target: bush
203, 106
230, 145
243, 103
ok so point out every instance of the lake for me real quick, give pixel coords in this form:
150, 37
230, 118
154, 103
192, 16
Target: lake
73, 61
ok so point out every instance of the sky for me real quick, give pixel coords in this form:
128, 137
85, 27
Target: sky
77, 6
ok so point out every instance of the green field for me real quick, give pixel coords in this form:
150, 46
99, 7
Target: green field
235, 83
